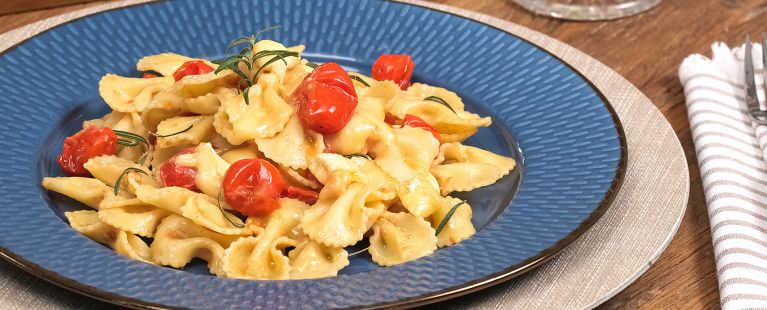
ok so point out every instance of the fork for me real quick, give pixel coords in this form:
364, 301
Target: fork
752, 101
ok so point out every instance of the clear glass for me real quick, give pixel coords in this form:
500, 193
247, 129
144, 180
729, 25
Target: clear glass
588, 9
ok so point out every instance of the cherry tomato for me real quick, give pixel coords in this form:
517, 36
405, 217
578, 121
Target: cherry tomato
253, 187
392, 120
88, 143
149, 75
417, 122
305, 195
173, 174
192, 67
326, 99
397, 68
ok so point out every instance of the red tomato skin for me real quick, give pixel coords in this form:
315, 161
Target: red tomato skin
192, 67
253, 187
417, 122
149, 75
173, 174
326, 99
308, 196
392, 120
88, 143
394, 67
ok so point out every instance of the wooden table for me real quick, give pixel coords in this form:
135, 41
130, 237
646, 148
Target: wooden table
647, 50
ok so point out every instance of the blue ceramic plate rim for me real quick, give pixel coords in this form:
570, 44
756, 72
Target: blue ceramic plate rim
435, 296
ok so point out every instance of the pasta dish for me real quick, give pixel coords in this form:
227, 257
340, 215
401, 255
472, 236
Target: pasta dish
268, 166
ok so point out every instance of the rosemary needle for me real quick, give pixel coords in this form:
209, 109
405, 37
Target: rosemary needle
447, 217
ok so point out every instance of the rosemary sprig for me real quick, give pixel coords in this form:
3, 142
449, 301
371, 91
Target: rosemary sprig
365, 156
359, 79
218, 202
440, 101
172, 134
248, 59
447, 217
120, 178
130, 139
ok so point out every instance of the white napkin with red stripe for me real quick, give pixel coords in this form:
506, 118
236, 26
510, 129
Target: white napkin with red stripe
733, 165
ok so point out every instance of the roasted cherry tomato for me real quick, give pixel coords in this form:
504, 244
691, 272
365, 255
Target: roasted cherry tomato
392, 120
417, 122
253, 187
305, 195
326, 99
173, 174
396, 68
192, 67
149, 75
88, 143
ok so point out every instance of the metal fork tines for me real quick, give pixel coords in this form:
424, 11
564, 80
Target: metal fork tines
752, 101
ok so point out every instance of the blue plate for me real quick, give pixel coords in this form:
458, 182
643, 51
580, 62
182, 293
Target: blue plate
566, 138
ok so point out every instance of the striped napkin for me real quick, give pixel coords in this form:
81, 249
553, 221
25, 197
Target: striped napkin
733, 164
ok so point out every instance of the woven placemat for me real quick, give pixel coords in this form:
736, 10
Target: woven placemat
621, 246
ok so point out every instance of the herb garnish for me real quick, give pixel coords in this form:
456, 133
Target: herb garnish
365, 156
248, 59
172, 134
358, 252
120, 178
359, 79
312, 65
447, 217
440, 101
129, 139
218, 202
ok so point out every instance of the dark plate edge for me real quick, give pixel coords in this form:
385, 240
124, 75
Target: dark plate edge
470, 287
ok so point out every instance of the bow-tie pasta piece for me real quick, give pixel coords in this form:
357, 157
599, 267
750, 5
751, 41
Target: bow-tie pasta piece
294, 146
108, 169
311, 259
209, 103
409, 152
262, 257
131, 215
382, 91
461, 168
126, 94
264, 116
362, 129
89, 191
280, 67
191, 92
184, 130
199, 208
210, 167
358, 170
246, 152
452, 122
420, 195
179, 240
165, 63
458, 227
342, 214
88, 224
401, 237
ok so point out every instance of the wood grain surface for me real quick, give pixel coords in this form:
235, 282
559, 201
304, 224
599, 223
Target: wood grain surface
646, 49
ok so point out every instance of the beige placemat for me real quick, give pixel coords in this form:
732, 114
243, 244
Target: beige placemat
613, 253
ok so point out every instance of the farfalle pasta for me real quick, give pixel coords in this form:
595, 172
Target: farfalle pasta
268, 166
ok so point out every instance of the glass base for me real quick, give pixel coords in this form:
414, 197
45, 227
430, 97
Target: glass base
588, 9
